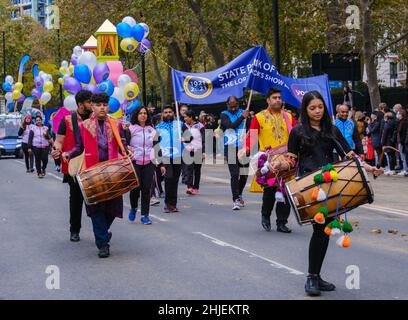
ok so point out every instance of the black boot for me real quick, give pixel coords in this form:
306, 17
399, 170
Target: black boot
75, 237
104, 252
312, 286
325, 286
283, 228
266, 223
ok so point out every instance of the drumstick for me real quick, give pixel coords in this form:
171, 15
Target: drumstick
380, 159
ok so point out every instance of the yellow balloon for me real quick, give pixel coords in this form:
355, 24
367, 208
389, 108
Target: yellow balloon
48, 86
63, 71
117, 114
61, 81
71, 69
16, 95
18, 86
129, 44
131, 91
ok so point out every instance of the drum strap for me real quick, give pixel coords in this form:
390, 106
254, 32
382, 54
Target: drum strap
117, 136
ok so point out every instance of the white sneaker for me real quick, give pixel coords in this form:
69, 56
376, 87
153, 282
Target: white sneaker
154, 201
236, 206
387, 172
402, 173
241, 202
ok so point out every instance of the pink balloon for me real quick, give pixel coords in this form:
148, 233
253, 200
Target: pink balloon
132, 75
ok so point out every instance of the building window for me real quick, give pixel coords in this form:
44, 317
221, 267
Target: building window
402, 67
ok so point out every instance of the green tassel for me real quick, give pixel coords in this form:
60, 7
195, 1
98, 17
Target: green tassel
334, 225
318, 179
347, 227
328, 167
324, 211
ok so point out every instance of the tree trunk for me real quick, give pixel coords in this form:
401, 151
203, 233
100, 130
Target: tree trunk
160, 79
216, 53
368, 52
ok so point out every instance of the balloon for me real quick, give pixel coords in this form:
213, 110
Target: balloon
107, 86
101, 72
9, 96
9, 79
78, 51
114, 105
117, 114
28, 103
63, 70
61, 81
70, 103
74, 60
92, 88
119, 94
45, 98
138, 32
131, 91
132, 107
144, 46
72, 85
18, 86
129, 44
124, 30
146, 29
82, 73
22, 98
89, 59
16, 95
123, 80
130, 21
48, 86
36, 93
38, 81
71, 69
7, 87
64, 64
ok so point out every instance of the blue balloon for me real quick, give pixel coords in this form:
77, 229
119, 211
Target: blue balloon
114, 105
133, 106
7, 87
82, 73
138, 32
107, 86
124, 30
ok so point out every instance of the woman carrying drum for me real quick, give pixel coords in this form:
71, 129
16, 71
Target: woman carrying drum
311, 145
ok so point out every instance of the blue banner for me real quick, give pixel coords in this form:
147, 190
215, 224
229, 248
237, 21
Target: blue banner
253, 70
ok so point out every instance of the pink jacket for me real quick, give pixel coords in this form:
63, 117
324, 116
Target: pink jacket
40, 139
142, 143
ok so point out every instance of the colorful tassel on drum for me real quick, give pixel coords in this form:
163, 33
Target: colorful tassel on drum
344, 241
333, 228
315, 193
321, 195
321, 215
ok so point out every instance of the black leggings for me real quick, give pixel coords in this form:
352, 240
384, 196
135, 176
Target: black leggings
193, 170
41, 159
282, 209
238, 178
29, 158
145, 174
318, 247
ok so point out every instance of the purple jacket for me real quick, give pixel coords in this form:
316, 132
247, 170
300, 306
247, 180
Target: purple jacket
142, 142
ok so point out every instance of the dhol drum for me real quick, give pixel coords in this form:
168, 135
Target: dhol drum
352, 189
107, 180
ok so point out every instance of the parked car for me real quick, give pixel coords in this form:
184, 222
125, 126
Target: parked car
10, 142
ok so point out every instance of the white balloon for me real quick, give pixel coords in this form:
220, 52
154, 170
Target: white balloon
9, 79
89, 59
130, 21
78, 51
40, 74
9, 97
119, 94
70, 103
146, 27
64, 64
28, 103
123, 80
45, 98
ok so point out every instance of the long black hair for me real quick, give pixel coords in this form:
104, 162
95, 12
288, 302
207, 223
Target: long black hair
326, 124
135, 116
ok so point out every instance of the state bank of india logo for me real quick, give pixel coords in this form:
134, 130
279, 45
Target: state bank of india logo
198, 87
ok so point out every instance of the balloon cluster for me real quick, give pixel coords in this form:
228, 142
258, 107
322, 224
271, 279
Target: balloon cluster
43, 88
123, 98
13, 90
134, 35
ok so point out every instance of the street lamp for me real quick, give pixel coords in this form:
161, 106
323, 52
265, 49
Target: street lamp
4, 55
276, 33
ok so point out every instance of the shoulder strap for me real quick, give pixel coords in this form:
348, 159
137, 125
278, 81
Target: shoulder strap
75, 126
117, 136
288, 122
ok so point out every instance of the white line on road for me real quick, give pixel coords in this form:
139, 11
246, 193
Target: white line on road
251, 254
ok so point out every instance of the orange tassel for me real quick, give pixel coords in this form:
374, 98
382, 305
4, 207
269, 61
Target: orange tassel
315, 193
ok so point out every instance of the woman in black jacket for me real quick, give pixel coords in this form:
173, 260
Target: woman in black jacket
389, 139
375, 131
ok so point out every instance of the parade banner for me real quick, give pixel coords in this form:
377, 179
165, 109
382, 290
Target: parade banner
253, 70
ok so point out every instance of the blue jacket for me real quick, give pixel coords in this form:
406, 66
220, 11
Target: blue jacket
233, 136
170, 144
347, 129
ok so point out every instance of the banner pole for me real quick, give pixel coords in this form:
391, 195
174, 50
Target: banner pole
247, 109
178, 120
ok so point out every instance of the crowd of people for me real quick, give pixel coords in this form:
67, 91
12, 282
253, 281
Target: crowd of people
163, 149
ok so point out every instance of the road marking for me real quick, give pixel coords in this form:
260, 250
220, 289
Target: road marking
18, 161
55, 176
127, 204
398, 212
251, 254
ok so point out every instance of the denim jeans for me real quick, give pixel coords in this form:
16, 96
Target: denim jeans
101, 222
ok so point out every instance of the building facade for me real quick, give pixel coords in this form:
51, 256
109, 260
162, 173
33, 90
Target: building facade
391, 71
33, 8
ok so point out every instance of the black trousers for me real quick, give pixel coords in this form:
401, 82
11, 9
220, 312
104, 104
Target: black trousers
29, 158
282, 209
76, 201
145, 174
318, 247
171, 181
193, 170
157, 183
41, 158
238, 180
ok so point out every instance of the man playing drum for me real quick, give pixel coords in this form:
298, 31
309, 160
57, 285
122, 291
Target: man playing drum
97, 140
272, 127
